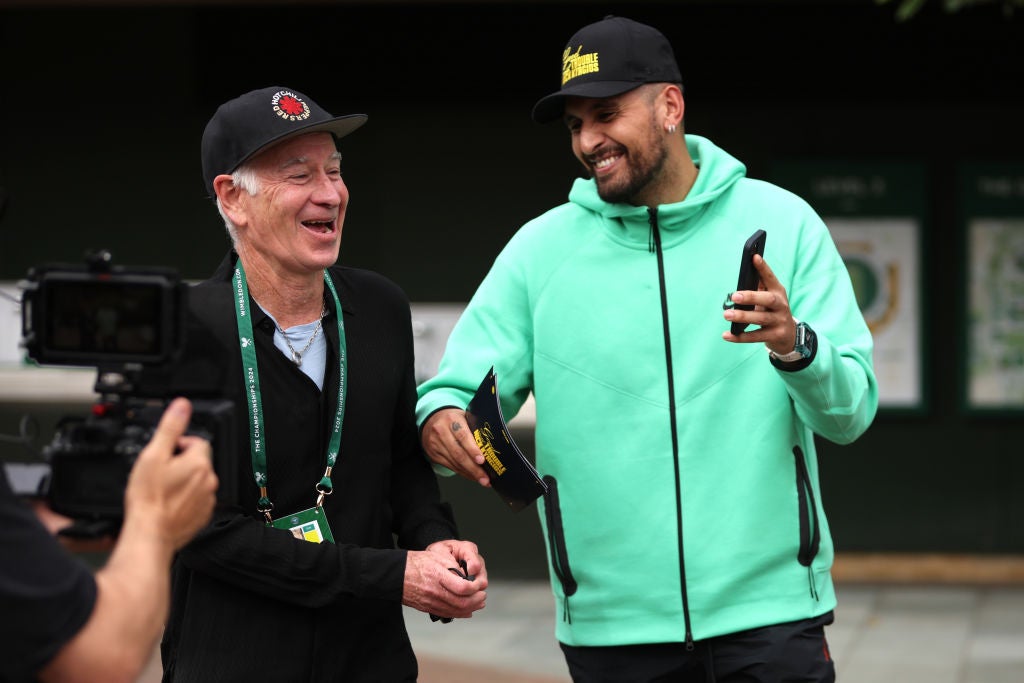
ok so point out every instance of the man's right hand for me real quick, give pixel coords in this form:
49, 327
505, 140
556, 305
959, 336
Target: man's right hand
172, 487
168, 499
449, 442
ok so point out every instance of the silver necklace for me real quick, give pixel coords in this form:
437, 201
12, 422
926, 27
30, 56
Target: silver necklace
297, 355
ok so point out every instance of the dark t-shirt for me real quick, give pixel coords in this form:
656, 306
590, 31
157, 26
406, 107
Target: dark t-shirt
46, 594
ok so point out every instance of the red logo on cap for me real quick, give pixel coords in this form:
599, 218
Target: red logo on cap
289, 107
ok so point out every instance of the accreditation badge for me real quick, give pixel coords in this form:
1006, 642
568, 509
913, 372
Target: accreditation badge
309, 525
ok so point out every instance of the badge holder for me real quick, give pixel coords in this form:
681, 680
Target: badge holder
308, 525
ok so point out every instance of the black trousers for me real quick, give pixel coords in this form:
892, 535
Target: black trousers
794, 652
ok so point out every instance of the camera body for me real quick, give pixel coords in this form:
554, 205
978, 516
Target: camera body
91, 457
130, 324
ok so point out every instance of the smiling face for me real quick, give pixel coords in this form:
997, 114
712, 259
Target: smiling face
619, 142
293, 222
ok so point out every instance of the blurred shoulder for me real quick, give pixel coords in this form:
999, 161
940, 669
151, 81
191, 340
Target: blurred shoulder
361, 285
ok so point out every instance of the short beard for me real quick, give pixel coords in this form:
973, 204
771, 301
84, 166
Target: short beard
643, 171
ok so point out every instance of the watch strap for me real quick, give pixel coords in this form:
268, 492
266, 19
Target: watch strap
790, 357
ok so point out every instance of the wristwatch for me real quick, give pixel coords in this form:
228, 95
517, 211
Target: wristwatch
802, 347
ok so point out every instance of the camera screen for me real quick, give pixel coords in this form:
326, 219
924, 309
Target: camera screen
74, 316
104, 318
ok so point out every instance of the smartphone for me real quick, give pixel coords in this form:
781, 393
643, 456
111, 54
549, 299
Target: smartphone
749, 278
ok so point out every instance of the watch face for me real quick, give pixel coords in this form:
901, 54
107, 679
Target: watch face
802, 334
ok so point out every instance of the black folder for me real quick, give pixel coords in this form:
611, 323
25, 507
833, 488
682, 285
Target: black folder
513, 476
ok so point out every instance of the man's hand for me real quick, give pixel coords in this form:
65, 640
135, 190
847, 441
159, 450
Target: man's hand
449, 442
168, 498
777, 328
430, 587
173, 494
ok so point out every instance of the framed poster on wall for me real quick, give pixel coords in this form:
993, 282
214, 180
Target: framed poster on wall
993, 208
876, 214
882, 256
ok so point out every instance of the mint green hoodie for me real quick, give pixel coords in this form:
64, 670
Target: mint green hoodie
684, 504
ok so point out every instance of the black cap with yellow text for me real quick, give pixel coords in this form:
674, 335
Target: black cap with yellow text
608, 58
245, 126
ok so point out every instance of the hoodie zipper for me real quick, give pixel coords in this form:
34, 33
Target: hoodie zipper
556, 544
810, 533
656, 243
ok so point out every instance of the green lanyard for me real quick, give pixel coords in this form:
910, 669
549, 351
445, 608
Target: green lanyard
251, 379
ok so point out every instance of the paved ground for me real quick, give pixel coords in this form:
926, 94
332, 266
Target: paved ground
884, 633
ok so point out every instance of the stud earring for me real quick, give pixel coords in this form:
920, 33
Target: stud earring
671, 128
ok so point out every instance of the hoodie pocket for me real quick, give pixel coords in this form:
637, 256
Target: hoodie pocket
810, 534
556, 545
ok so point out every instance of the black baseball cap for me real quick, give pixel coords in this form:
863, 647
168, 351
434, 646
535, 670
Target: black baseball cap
245, 126
608, 58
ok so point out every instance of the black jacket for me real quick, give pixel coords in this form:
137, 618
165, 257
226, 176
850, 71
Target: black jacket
253, 603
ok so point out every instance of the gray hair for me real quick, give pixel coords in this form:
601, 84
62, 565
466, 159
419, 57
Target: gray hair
245, 178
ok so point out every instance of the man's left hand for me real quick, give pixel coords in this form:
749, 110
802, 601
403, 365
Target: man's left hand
431, 587
776, 325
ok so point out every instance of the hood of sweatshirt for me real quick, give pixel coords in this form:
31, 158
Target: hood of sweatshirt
718, 171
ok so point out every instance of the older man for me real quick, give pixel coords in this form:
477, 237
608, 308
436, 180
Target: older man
300, 579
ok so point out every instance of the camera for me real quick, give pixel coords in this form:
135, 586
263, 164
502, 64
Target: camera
102, 315
130, 324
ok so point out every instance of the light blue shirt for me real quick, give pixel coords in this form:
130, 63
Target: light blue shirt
314, 359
